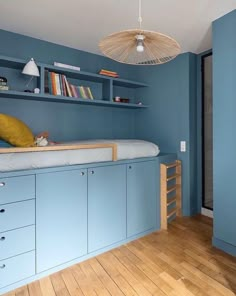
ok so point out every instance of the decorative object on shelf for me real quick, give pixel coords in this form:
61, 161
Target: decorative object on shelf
121, 100
139, 47
3, 83
108, 73
32, 70
36, 90
66, 66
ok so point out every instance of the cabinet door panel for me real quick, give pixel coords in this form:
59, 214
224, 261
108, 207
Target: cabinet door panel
106, 206
61, 223
142, 197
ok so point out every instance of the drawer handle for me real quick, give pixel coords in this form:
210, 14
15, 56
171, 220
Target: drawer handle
92, 172
2, 211
82, 174
2, 238
2, 184
130, 167
2, 266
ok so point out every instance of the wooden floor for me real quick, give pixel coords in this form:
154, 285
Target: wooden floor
177, 262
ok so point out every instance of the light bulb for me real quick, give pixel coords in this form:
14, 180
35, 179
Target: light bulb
140, 47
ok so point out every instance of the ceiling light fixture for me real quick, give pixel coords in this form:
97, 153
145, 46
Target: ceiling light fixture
139, 47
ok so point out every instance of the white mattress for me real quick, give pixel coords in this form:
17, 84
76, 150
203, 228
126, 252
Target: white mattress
126, 149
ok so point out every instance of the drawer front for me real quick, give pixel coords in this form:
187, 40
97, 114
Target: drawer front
17, 268
17, 241
17, 189
17, 215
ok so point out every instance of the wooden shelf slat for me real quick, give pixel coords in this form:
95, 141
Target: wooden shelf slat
172, 165
172, 177
171, 213
171, 200
170, 189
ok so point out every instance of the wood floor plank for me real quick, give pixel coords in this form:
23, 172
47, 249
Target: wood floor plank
98, 286
105, 278
118, 278
178, 262
58, 285
35, 289
139, 275
22, 291
46, 287
71, 284
84, 282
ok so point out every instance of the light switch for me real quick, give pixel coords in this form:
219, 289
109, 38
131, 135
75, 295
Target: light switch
183, 146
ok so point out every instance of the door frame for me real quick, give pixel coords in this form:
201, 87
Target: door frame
202, 128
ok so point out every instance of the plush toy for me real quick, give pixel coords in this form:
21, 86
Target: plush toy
41, 139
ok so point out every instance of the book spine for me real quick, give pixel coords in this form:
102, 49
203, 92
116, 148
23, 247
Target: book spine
90, 93
58, 88
63, 85
81, 92
86, 92
77, 92
53, 79
68, 88
46, 85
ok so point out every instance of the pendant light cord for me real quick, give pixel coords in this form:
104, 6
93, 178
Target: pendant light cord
139, 15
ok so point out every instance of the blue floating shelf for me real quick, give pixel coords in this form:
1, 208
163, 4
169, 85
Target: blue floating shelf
60, 99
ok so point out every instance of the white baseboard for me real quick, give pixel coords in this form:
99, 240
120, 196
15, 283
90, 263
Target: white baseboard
206, 212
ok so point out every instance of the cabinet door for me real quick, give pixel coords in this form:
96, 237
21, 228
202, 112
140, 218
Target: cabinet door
106, 206
61, 221
142, 183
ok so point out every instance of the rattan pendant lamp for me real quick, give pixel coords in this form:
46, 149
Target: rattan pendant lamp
139, 47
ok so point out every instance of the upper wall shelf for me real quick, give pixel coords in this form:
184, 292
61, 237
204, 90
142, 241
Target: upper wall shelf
104, 88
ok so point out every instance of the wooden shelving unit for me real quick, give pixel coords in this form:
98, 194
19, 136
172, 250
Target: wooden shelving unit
171, 204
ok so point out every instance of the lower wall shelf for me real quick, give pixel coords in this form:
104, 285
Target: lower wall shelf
60, 99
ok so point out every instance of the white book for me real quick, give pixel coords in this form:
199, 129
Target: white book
58, 86
66, 66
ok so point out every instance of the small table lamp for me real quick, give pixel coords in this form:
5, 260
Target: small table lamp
30, 69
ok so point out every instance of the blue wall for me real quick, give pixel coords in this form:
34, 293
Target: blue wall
66, 121
171, 96
224, 123
172, 116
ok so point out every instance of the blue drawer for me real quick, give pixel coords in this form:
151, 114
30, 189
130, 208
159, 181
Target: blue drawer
17, 189
17, 241
17, 268
17, 215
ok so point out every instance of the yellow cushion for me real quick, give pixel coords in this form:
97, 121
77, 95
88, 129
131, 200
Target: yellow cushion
15, 132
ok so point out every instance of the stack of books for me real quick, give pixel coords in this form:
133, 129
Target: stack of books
108, 73
58, 85
3, 84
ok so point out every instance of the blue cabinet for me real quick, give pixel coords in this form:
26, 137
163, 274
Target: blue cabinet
106, 206
142, 197
61, 217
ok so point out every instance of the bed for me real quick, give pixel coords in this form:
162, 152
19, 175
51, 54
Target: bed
125, 149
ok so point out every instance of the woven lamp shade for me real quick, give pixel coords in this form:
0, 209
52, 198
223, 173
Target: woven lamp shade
122, 47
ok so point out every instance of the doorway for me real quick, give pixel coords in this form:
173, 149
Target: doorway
207, 133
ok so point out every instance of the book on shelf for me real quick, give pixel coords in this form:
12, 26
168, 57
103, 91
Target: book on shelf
58, 85
108, 73
61, 65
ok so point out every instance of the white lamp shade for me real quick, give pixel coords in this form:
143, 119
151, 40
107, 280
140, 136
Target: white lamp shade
31, 68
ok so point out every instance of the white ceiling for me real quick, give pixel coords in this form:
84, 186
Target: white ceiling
82, 23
